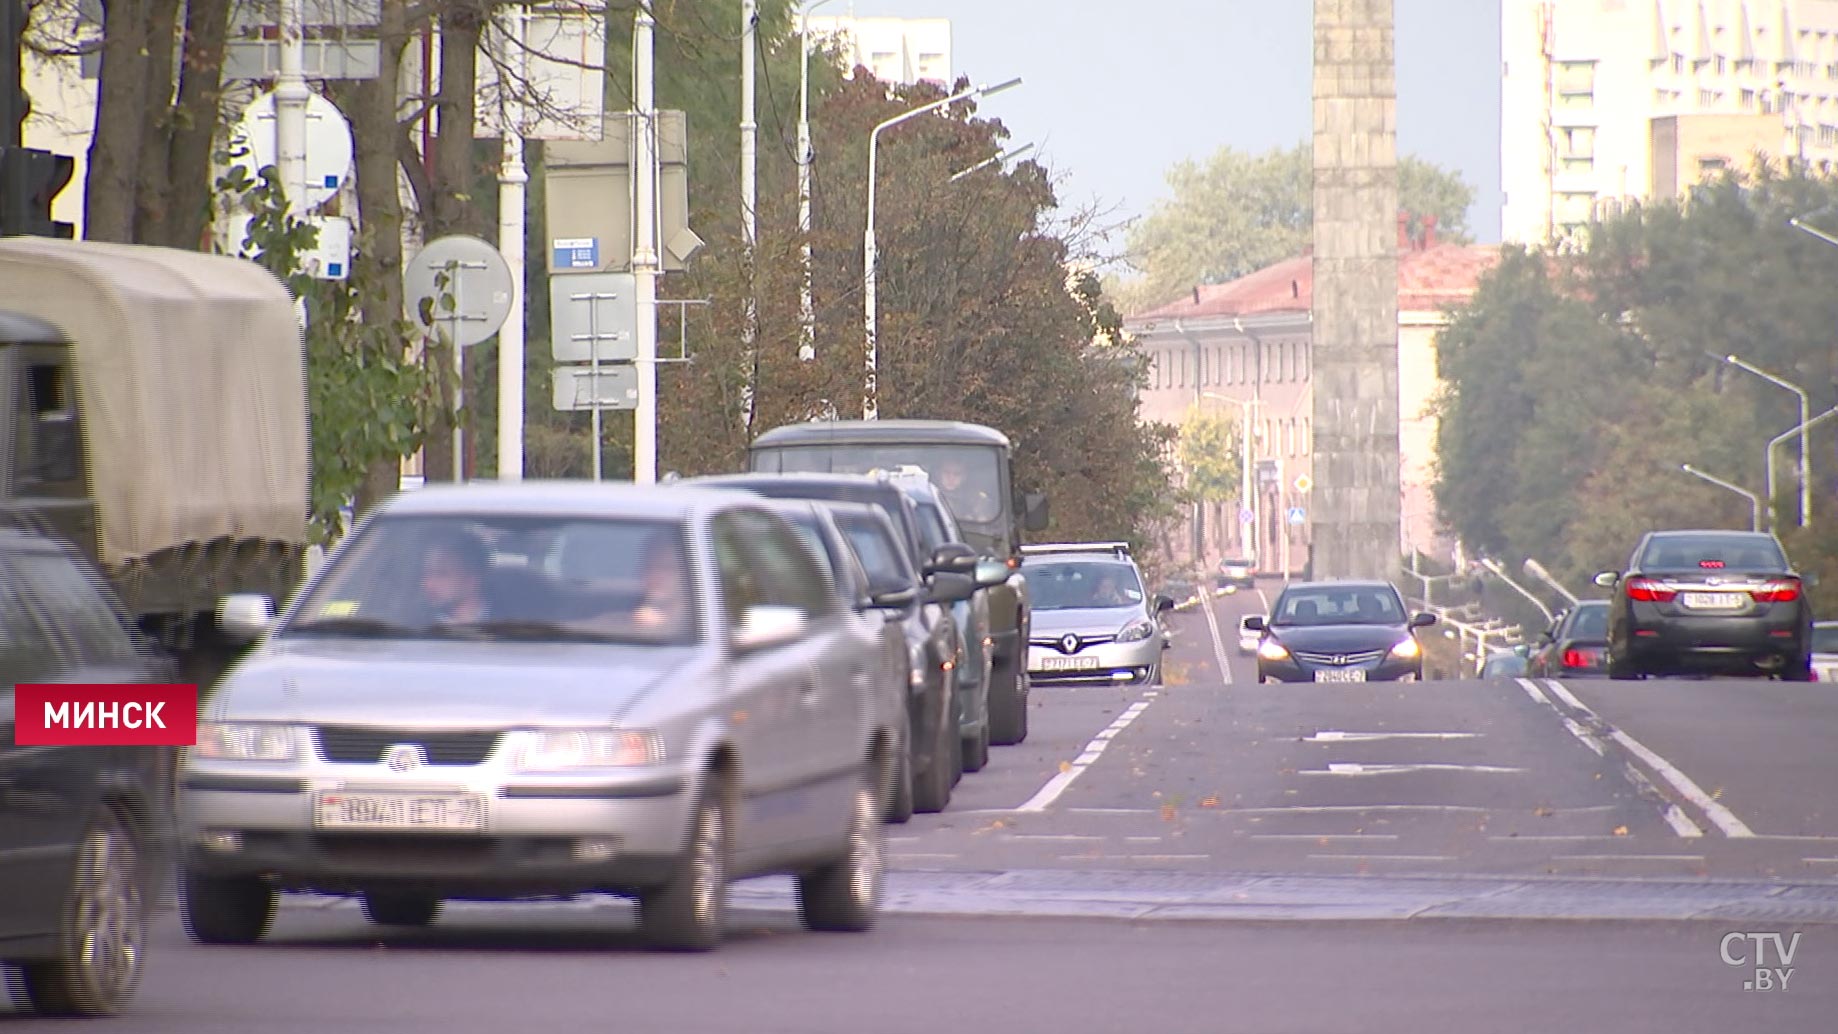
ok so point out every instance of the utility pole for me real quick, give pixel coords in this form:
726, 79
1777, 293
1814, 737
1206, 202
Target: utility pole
290, 97
807, 311
512, 177
12, 74
749, 229
644, 248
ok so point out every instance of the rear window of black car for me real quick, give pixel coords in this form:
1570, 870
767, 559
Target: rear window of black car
1710, 551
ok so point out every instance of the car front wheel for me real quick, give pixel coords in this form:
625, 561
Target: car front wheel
101, 946
689, 913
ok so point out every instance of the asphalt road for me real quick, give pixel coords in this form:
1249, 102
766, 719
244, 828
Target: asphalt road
1538, 853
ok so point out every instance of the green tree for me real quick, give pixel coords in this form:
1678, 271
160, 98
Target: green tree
1209, 451
1235, 213
1577, 385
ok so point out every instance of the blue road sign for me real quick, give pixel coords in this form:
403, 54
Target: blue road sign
1297, 515
576, 252
1245, 516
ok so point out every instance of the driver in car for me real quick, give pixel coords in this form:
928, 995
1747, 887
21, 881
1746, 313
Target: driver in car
453, 568
665, 606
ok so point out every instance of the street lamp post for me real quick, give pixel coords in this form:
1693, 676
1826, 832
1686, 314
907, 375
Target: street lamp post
1248, 499
1500, 573
1805, 456
1754, 500
871, 409
807, 313
1800, 432
992, 160
1537, 570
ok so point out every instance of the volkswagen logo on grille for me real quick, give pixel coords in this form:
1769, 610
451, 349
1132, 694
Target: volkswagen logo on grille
1069, 644
405, 757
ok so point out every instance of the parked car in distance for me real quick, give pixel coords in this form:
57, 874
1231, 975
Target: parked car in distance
1576, 644
1093, 620
1708, 602
1340, 631
1237, 573
85, 832
509, 690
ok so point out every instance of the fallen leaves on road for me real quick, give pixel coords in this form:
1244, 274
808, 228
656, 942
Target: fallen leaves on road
1620, 831
1065, 766
1544, 811
1717, 794
1209, 802
1167, 813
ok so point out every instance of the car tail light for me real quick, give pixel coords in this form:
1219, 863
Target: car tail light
1574, 658
1646, 590
1784, 591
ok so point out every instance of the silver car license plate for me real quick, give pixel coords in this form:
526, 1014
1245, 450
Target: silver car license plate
402, 812
1068, 664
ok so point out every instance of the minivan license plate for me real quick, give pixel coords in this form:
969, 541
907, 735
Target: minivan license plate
461, 813
1341, 675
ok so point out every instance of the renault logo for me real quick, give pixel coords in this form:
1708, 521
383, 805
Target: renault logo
1069, 644
405, 757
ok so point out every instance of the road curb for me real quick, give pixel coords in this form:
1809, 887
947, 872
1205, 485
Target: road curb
1267, 897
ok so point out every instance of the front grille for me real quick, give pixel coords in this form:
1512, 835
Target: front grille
349, 745
1340, 659
1052, 642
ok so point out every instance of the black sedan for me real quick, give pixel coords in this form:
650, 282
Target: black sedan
1576, 646
1340, 632
1708, 602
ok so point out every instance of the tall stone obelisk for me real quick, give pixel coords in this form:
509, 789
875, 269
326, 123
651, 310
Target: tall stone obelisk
1354, 504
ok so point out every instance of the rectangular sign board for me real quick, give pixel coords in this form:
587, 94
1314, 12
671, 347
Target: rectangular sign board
576, 390
589, 310
574, 253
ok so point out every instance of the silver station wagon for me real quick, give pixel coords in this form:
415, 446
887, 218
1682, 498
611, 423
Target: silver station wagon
495, 692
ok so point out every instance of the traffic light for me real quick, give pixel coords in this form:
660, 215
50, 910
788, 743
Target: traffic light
30, 180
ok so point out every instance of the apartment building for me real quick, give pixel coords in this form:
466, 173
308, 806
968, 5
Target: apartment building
1607, 102
895, 50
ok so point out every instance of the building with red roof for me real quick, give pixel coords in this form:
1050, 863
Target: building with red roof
1242, 348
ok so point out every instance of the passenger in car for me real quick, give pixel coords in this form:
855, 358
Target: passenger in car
664, 608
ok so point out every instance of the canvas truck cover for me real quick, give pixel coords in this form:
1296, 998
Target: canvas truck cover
191, 382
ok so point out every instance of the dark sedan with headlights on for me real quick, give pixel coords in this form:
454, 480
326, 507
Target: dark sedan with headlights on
1340, 632
1709, 602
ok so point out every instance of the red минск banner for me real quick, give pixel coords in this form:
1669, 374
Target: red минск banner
105, 715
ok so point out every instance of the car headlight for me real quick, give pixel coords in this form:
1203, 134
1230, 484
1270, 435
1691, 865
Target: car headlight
246, 741
552, 750
1136, 631
1408, 649
1271, 650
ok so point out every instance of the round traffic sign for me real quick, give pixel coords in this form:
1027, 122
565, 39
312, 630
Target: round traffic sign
328, 145
478, 280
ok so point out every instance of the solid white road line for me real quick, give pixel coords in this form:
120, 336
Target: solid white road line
1324, 836
1093, 750
1331, 736
1631, 857
1212, 627
1384, 857
1349, 768
1720, 816
1675, 816
1051, 836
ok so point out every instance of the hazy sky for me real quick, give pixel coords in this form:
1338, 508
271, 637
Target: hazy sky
1116, 93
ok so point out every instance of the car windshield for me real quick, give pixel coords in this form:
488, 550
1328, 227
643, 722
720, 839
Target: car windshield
1339, 606
1075, 585
1714, 551
1825, 638
553, 579
969, 476
1590, 622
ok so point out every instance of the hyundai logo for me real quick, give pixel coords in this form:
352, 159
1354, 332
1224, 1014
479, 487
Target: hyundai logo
1339, 658
405, 757
1069, 644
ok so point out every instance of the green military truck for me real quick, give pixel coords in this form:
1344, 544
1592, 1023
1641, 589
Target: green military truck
157, 420
971, 465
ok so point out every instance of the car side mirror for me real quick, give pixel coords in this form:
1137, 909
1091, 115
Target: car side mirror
1254, 623
898, 598
952, 558
245, 616
950, 587
1607, 579
765, 626
1036, 516
1423, 620
1163, 604
991, 573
